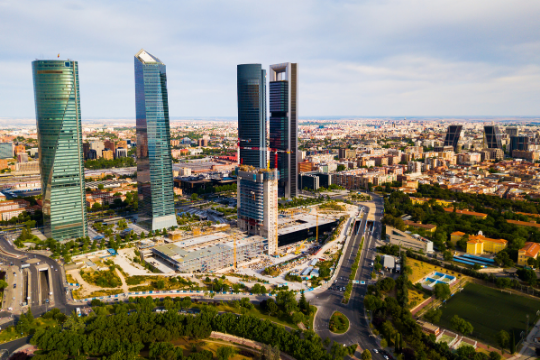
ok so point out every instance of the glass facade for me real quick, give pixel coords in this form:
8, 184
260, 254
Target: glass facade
492, 137
452, 136
251, 86
154, 163
284, 127
58, 117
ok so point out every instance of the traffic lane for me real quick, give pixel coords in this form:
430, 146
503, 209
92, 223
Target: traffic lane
14, 345
58, 282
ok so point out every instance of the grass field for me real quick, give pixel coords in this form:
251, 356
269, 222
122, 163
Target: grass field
489, 311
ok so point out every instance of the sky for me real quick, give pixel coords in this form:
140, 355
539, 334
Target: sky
355, 58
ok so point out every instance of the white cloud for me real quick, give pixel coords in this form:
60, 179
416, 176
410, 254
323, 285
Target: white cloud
384, 57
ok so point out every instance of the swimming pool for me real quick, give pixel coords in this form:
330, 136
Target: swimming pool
437, 278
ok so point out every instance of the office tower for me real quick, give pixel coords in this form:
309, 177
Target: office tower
283, 82
108, 154
6, 150
512, 131
58, 117
520, 142
257, 203
121, 152
99, 146
154, 163
251, 92
452, 136
86, 149
492, 137
109, 144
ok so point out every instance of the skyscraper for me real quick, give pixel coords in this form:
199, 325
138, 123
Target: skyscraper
251, 92
154, 164
58, 118
284, 126
520, 142
258, 203
452, 136
492, 137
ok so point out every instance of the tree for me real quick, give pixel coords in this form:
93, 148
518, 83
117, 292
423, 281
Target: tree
442, 291
493, 355
270, 353
366, 355
447, 255
433, 315
3, 284
225, 352
384, 343
513, 344
461, 325
194, 197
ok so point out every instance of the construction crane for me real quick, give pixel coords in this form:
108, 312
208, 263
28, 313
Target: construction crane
299, 248
274, 150
234, 246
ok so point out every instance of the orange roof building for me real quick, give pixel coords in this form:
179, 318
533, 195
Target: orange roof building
523, 223
529, 251
467, 212
456, 236
479, 245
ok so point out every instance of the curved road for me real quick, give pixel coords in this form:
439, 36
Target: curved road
329, 301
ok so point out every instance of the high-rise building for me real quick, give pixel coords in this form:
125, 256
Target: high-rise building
512, 131
58, 117
520, 142
109, 144
257, 196
99, 146
154, 162
108, 154
492, 137
452, 136
121, 152
283, 82
6, 150
251, 92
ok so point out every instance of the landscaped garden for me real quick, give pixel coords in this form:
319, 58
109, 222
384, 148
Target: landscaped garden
339, 323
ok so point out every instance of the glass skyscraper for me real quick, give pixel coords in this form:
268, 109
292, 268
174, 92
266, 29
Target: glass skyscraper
492, 137
251, 86
58, 117
284, 126
452, 136
154, 163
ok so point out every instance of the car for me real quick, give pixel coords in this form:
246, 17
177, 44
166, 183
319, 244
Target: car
386, 357
14, 286
375, 351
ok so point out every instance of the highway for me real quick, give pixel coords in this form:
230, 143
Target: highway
329, 301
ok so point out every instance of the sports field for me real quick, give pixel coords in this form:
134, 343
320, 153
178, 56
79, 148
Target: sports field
489, 311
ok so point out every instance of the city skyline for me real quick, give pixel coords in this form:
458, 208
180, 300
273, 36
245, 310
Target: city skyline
371, 59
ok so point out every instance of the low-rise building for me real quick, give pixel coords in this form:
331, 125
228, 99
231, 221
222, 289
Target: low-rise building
529, 251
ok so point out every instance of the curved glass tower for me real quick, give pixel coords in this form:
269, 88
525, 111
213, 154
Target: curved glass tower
154, 162
58, 118
251, 87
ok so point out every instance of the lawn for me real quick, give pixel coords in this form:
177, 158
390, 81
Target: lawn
489, 311
339, 324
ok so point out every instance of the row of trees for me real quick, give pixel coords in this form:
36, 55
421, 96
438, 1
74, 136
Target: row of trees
102, 163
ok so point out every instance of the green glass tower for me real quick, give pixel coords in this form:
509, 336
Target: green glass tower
58, 118
154, 161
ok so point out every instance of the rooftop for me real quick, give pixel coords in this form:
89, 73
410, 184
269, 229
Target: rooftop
147, 58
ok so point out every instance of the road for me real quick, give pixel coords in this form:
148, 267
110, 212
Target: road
329, 301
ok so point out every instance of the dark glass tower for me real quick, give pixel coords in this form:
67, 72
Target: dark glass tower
492, 137
520, 142
154, 164
251, 87
452, 136
58, 118
284, 126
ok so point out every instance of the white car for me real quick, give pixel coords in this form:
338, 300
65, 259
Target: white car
375, 351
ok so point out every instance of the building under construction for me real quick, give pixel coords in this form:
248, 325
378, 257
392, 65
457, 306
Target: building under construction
209, 253
302, 227
258, 203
